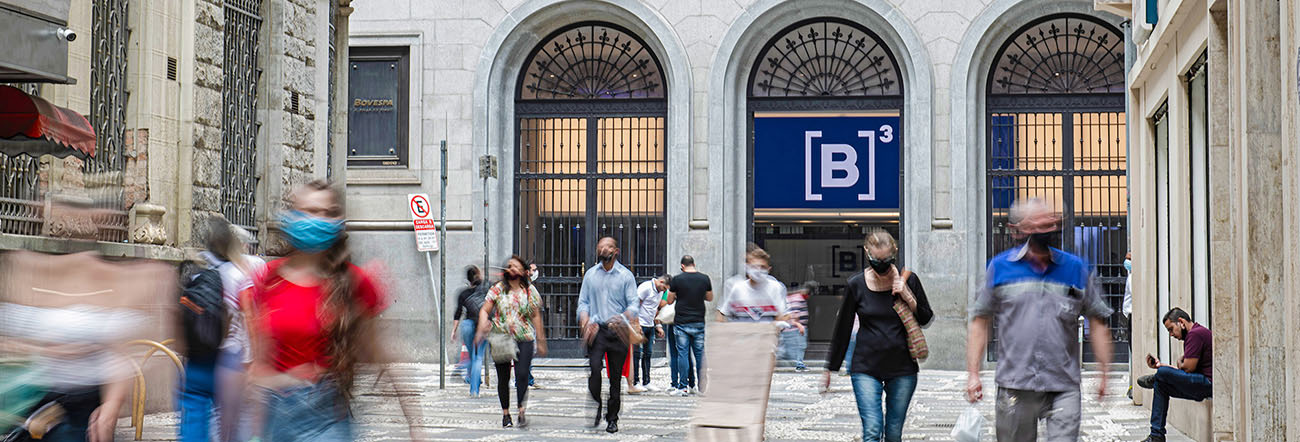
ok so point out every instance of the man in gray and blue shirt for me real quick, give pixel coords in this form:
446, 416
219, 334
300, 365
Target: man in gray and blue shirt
1036, 293
606, 299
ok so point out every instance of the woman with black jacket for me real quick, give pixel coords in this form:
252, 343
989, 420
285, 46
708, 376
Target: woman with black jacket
882, 362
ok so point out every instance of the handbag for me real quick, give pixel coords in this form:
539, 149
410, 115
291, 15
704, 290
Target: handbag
502, 347
667, 313
916, 345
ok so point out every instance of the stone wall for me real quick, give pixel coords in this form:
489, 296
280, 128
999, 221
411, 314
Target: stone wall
209, 80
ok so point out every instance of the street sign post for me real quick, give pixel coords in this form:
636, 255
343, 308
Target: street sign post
426, 240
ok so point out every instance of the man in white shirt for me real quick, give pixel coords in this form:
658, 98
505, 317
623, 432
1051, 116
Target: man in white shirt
756, 297
650, 293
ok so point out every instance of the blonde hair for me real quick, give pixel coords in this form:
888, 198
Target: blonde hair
879, 238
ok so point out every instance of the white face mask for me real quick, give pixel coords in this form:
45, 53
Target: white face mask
755, 273
534, 276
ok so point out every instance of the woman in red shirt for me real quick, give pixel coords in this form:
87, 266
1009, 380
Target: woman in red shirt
314, 313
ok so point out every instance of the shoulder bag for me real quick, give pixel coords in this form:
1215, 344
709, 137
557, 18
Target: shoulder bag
915, 337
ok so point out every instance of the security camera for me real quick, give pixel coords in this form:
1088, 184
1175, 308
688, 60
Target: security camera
67, 34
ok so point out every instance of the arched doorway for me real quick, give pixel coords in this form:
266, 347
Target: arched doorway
1056, 130
591, 161
825, 102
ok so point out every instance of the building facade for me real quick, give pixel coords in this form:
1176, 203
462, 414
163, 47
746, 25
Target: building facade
1213, 100
702, 118
200, 108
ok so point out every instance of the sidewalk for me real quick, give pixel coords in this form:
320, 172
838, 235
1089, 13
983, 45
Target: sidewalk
559, 410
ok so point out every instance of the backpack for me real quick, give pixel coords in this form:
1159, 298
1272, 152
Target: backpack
204, 317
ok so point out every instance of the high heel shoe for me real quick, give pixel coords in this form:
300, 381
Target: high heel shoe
505, 422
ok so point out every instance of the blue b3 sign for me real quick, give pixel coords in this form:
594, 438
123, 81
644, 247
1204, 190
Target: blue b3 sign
826, 162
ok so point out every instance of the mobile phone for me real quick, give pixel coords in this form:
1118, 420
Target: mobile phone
1151, 360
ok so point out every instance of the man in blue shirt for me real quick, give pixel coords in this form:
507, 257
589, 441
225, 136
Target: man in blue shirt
607, 300
1036, 293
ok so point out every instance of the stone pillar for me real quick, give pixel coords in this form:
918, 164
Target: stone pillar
339, 159
1259, 209
1222, 174
1290, 61
205, 157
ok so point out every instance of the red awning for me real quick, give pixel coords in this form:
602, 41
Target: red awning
31, 125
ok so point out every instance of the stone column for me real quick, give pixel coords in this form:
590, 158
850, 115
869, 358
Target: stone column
1224, 303
339, 159
1256, 144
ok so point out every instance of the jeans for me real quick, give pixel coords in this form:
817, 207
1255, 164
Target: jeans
897, 394
314, 413
792, 346
197, 399
1174, 383
607, 342
474, 368
234, 420
641, 355
690, 344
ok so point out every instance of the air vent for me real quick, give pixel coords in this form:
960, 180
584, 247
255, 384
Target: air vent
293, 102
171, 69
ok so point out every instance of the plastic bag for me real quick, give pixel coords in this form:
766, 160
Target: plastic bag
969, 425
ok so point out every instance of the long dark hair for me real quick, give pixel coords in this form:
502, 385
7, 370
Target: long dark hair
505, 272
348, 324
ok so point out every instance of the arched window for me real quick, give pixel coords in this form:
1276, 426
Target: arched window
825, 102
591, 161
1056, 130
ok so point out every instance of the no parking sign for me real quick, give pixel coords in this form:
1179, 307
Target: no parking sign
426, 231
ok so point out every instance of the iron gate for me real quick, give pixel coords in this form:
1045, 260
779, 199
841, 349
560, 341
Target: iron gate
591, 162
1056, 128
239, 124
104, 173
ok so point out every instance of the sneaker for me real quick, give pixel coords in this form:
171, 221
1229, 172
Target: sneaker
801, 368
1154, 438
680, 393
695, 391
1148, 381
651, 388
635, 389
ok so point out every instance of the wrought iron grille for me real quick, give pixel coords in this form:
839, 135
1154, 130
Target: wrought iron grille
239, 124
592, 61
329, 115
1065, 54
1066, 148
589, 168
104, 173
825, 57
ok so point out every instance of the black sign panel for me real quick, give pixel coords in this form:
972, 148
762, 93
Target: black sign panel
377, 106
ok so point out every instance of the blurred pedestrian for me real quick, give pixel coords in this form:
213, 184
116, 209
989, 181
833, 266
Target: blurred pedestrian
606, 300
757, 296
651, 294
465, 325
793, 342
891, 306
513, 309
688, 292
228, 252
1036, 293
314, 312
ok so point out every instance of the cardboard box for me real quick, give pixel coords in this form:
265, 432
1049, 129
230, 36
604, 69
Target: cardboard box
739, 359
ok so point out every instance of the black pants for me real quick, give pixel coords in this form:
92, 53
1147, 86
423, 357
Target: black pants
608, 343
523, 365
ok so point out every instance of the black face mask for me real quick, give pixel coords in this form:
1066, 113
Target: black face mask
1041, 241
606, 258
881, 267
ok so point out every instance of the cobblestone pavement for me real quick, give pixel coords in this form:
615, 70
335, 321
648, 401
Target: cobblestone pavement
560, 411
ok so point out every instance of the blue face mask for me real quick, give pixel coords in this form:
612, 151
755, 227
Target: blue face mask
1128, 265
310, 234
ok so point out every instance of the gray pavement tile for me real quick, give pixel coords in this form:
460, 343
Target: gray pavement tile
561, 411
